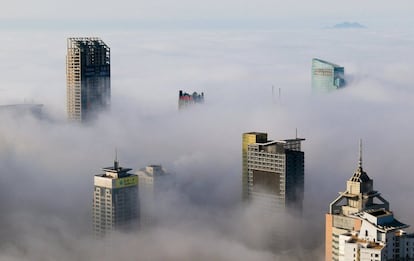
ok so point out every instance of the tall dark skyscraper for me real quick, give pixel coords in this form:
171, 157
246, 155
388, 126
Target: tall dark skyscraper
88, 78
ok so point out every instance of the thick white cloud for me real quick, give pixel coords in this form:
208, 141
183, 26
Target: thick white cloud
47, 167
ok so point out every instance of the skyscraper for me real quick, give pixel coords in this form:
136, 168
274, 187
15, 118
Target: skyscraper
326, 76
185, 99
360, 225
88, 78
115, 200
273, 172
153, 180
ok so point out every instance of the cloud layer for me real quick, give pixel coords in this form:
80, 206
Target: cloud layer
47, 166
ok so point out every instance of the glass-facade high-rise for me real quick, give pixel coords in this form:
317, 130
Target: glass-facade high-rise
88, 78
326, 76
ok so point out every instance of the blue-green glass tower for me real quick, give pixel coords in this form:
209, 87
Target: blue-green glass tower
326, 76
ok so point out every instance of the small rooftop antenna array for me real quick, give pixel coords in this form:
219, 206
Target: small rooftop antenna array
280, 94
360, 154
116, 162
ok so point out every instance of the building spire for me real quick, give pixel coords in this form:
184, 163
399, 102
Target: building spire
116, 162
360, 154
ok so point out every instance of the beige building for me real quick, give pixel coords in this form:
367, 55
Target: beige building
360, 226
115, 200
88, 78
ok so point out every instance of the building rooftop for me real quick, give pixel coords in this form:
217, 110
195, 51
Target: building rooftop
323, 61
382, 224
363, 242
86, 41
104, 175
256, 133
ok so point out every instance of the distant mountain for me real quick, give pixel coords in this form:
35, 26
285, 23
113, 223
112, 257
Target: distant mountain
347, 25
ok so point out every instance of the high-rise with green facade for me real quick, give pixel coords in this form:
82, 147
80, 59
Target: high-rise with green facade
115, 200
326, 76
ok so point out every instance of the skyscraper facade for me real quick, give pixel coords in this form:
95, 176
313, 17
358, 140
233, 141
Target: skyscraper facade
326, 76
115, 200
360, 225
88, 78
153, 180
249, 138
273, 172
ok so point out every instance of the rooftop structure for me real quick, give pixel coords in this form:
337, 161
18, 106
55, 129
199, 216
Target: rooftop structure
88, 77
326, 76
360, 225
186, 99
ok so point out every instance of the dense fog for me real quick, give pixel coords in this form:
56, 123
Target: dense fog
47, 165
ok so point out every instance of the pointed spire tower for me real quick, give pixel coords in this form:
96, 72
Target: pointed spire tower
359, 195
360, 182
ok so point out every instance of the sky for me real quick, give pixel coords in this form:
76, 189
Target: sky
190, 14
47, 166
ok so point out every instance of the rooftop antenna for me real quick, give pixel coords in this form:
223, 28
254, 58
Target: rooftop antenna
280, 94
273, 92
360, 154
116, 163
296, 133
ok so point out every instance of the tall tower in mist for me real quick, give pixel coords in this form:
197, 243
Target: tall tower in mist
273, 172
326, 76
88, 78
115, 200
360, 225
153, 180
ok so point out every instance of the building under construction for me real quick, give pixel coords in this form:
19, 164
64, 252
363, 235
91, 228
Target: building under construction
186, 99
88, 77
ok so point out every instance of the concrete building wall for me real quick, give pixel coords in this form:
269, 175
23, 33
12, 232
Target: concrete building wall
249, 138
